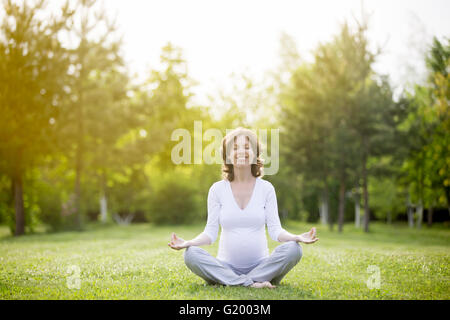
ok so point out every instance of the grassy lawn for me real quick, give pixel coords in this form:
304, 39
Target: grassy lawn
134, 262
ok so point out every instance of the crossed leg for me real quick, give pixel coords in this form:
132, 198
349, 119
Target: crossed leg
278, 264
272, 268
203, 264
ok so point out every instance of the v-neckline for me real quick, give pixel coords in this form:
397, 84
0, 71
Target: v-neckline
234, 199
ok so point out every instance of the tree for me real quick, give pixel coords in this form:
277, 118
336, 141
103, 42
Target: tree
95, 60
336, 115
425, 135
33, 65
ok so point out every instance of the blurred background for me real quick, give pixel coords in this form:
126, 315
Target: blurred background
91, 91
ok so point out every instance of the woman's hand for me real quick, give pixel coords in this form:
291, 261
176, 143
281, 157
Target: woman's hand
308, 237
177, 243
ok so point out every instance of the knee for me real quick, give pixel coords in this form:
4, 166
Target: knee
191, 255
294, 251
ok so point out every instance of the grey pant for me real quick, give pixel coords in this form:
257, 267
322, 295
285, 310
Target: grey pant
272, 268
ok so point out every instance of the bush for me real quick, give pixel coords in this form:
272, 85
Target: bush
173, 202
49, 202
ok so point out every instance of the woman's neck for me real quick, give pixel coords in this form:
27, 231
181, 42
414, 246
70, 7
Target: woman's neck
243, 174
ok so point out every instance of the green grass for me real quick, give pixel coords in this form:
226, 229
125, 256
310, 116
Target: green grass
134, 262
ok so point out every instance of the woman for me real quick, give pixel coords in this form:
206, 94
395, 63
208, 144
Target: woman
243, 204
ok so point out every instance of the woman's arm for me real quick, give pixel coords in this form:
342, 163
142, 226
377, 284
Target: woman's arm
307, 237
211, 230
200, 240
276, 231
271, 214
287, 236
178, 243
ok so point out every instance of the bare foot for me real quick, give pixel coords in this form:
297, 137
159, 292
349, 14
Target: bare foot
265, 284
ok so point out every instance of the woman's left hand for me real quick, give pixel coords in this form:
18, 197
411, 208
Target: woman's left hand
308, 237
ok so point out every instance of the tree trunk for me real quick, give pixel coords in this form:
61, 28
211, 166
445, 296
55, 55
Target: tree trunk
410, 212
419, 208
365, 193
323, 208
78, 171
328, 215
341, 204
419, 211
447, 195
80, 131
410, 217
18, 205
389, 217
430, 216
357, 211
103, 199
103, 208
79, 157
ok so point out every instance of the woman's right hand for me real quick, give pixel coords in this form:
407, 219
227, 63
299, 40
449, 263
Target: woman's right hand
177, 243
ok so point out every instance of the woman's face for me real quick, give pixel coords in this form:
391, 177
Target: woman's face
241, 152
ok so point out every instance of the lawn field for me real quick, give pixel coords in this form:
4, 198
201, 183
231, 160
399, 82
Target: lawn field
134, 262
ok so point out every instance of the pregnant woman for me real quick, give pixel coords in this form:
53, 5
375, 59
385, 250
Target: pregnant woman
243, 204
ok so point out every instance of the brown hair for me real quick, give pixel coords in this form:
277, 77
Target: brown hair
257, 167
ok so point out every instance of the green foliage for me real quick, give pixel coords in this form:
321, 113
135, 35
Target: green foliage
173, 201
386, 198
129, 192
426, 163
50, 206
336, 112
7, 215
5, 200
33, 66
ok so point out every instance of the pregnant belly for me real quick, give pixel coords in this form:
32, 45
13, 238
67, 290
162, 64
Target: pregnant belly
243, 249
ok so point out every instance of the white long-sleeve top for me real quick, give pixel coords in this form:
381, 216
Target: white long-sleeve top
243, 241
